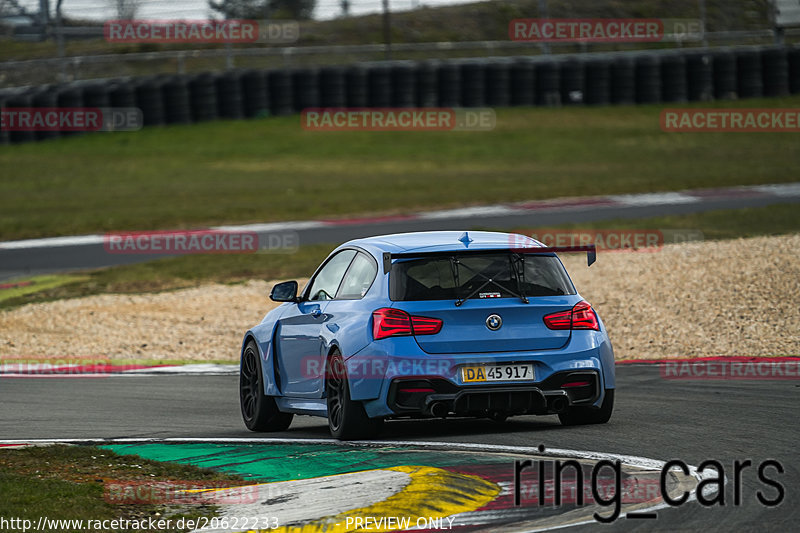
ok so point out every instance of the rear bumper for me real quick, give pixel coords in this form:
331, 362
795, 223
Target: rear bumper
588, 354
436, 397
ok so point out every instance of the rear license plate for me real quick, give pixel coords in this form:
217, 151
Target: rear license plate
484, 373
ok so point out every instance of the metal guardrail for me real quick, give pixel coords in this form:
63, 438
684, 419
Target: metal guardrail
289, 51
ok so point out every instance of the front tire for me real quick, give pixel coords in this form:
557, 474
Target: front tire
347, 419
578, 416
259, 411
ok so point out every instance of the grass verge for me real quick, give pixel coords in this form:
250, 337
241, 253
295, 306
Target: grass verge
69, 483
181, 272
272, 169
19, 288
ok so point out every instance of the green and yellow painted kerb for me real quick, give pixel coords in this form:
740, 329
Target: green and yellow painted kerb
310, 482
326, 486
432, 493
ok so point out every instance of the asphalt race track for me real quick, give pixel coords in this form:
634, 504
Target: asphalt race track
656, 418
45, 256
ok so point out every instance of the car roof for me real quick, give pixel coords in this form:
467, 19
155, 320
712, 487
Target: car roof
443, 241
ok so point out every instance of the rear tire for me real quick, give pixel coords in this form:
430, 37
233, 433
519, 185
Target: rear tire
578, 416
259, 411
347, 419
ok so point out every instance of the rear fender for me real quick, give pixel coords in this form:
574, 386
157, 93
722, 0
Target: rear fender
263, 335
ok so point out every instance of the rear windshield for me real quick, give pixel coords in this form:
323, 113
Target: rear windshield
468, 276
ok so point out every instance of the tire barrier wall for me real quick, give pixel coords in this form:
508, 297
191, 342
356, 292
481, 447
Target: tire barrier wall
332, 87
598, 82
175, 92
305, 88
644, 77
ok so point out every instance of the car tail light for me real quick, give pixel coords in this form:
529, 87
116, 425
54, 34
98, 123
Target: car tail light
423, 325
388, 322
581, 316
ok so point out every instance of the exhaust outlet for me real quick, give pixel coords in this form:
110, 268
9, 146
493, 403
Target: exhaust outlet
439, 409
559, 404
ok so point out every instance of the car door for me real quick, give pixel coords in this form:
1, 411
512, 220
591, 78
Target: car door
299, 343
346, 317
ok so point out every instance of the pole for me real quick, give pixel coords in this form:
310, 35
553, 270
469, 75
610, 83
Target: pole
777, 31
60, 42
703, 22
543, 15
387, 30
44, 17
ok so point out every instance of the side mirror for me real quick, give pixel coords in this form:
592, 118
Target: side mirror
284, 292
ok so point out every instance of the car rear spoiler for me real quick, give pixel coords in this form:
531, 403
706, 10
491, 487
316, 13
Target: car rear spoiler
590, 249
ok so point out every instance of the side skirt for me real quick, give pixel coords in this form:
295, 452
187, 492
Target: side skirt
303, 406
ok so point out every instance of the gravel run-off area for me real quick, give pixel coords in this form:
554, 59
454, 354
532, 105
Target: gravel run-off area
721, 298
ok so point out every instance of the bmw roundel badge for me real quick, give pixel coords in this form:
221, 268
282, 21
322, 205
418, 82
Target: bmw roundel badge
494, 322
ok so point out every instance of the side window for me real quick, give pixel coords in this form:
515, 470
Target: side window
358, 279
327, 280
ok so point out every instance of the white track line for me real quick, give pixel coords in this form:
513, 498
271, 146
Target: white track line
195, 369
274, 226
662, 198
477, 211
784, 189
53, 242
306, 500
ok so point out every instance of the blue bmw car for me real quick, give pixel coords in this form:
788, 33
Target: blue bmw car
433, 324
